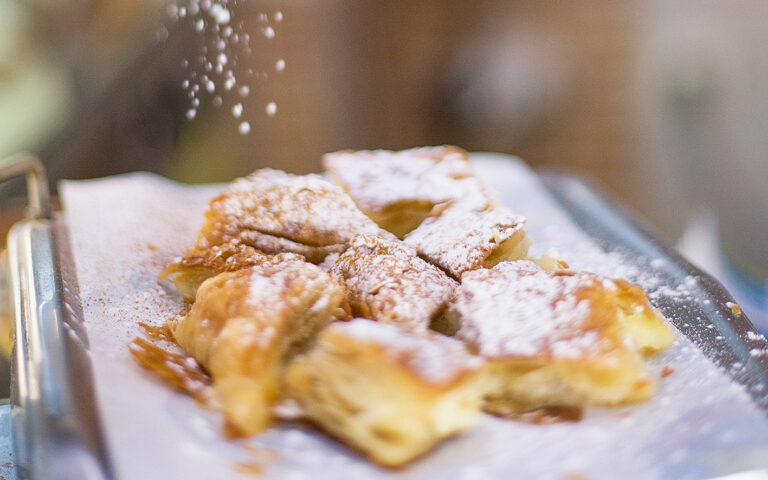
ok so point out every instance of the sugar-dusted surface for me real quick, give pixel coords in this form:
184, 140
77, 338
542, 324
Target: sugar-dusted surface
436, 359
387, 281
518, 309
274, 211
378, 179
460, 239
125, 229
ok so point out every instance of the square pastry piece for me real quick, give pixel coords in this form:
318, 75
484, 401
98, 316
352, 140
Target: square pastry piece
245, 324
388, 282
399, 190
276, 212
390, 394
558, 339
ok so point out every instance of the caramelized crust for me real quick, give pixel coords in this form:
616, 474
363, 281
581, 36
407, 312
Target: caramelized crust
188, 272
387, 281
386, 392
461, 239
245, 324
275, 212
399, 190
556, 339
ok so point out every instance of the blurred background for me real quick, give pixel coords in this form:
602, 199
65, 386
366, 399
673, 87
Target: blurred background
661, 103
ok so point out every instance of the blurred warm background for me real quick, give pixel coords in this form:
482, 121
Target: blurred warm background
661, 103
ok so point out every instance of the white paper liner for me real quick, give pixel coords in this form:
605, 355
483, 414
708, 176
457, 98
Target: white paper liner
124, 229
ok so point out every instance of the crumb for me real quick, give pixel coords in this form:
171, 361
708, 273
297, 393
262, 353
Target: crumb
261, 452
151, 247
231, 432
542, 416
667, 371
735, 308
249, 468
575, 476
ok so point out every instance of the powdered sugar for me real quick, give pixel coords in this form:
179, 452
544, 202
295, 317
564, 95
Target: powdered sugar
380, 179
274, 211
517, 309
460, 239
387, 281
225, 44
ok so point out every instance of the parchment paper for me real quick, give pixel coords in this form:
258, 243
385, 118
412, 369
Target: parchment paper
124, 229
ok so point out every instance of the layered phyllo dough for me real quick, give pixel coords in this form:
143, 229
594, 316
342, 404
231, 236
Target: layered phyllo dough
276, 212
245, 325
461, 239
432, 199
387, 281
266, 213
399, 190
557, 339
189, 272
388, 393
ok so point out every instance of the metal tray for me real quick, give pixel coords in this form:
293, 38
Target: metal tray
54, 416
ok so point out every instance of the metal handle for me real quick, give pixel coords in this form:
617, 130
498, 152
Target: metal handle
54, 419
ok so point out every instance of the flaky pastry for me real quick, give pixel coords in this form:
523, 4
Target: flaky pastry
557, 339
387, 281
399, 190
462, 239
276, 212
384, 391
245, 324
189, 272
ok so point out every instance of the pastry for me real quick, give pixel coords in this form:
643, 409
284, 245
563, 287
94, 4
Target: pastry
557, 339
276, 212
462, 239
431, 197
399, 190
245, 324
388, 393
387, 281
188, 272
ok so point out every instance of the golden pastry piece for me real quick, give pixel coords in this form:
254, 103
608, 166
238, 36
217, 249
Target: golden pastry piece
390, 394
644, 324
387, 281
399, 190
557, 339
462, 239
276, 212
189, 272
245, 324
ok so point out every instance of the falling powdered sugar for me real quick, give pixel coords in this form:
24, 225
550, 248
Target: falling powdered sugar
226, 44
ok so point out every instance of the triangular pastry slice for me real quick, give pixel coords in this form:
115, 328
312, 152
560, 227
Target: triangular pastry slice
388, 393
556, 339
244, 325
387, 281
462, 239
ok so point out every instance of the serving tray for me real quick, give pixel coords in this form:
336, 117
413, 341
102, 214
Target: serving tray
709, 417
